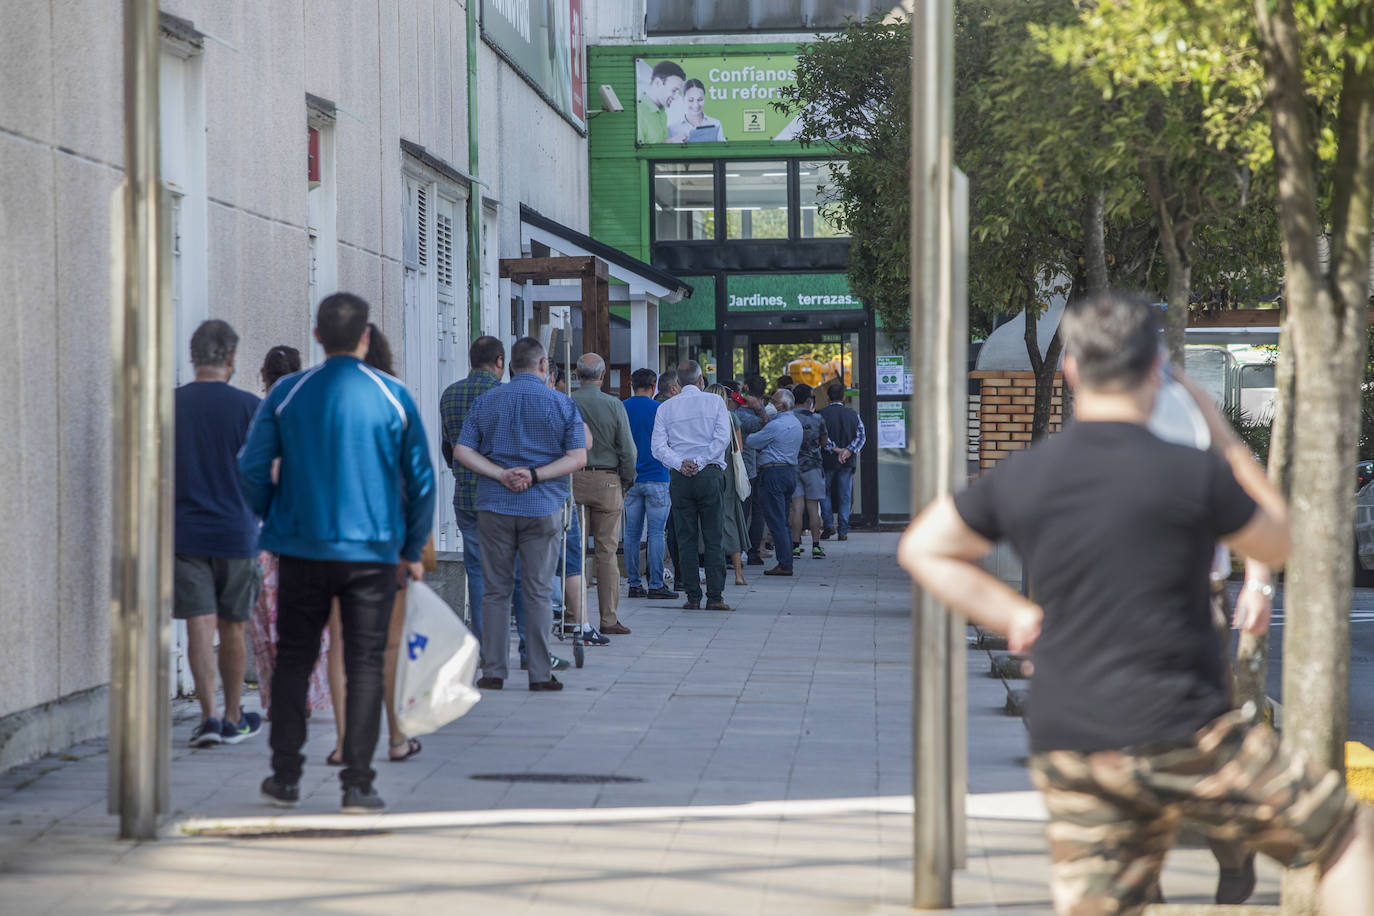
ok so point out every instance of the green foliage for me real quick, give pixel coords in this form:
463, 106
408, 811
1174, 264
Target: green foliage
854, 91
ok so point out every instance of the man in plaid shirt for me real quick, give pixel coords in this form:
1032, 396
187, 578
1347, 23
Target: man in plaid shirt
487, 356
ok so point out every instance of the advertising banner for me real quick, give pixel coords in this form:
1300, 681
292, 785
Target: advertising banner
789, 293
543, 41
712, 99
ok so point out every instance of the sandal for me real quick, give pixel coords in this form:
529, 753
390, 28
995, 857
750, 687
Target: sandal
335, 758
412, 746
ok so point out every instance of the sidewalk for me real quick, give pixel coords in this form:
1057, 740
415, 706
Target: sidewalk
757, 761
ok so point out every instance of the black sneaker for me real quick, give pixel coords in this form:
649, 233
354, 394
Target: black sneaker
636, 592
359, 800
816, 552
827, 533
206, 734
661, 593
593, 637
282, 795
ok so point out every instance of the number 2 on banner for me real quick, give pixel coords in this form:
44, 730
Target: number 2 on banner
753, 120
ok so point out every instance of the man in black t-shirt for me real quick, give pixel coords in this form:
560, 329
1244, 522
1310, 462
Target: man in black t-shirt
1130, 724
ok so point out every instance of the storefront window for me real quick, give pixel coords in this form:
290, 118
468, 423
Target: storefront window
816, 179
756, 199
684, 201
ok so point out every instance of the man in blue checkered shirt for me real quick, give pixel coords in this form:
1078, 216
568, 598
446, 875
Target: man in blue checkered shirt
487, 356
522, 439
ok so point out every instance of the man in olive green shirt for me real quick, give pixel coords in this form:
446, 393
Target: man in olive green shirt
602, 484
651, 113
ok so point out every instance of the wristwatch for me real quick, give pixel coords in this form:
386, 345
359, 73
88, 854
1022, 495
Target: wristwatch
1264, 588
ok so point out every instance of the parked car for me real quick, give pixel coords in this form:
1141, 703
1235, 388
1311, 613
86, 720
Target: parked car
1364, 473
1364, 526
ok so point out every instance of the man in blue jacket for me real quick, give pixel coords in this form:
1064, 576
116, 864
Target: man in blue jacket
348, 513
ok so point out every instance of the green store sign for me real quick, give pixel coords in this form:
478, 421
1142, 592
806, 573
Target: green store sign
789, 293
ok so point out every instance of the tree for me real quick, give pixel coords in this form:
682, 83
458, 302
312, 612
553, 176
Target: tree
853, 93
1313, 76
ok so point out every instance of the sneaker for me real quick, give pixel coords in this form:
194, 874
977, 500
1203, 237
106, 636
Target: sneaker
359, 800
593, 637
249, 725
558, 664
796, 551
827, 532
754, 561
206, 734
661, 593
816, 552
635, 592
283, 795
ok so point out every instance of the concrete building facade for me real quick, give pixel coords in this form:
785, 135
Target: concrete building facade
309, 146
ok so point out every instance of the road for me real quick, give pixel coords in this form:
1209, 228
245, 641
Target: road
1361, 660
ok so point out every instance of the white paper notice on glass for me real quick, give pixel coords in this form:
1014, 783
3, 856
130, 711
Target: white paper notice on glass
906, 383
891, 372
891, 427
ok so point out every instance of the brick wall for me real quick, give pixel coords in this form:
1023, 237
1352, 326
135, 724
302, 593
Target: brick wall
1006, 407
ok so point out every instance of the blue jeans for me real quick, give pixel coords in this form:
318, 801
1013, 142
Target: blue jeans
646, 503
472, 566
776, 484
839, 488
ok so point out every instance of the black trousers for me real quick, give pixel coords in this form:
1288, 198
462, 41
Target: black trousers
698, 516
304, 591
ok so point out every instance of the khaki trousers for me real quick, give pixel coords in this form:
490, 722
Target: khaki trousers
599, 491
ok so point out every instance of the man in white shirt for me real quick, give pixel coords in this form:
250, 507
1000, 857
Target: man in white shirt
691, 432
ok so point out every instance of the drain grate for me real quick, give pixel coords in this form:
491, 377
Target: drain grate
557, 778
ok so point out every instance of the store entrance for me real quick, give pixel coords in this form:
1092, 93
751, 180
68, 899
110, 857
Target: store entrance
816, 358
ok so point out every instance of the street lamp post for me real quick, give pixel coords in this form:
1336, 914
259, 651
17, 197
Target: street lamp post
939, 342
142, 338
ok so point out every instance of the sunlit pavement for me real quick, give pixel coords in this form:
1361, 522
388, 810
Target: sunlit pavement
755, 761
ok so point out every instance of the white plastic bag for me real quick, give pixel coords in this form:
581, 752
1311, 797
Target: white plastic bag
435, 665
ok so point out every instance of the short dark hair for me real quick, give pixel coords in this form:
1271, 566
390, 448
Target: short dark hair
280, 360
755, 385
642, 378
731, 384
485, 351
801, 394
213, 343
665, 69
341, 320
666, 380
1114, 337
835, 392
785, 381
525, 355
378, 350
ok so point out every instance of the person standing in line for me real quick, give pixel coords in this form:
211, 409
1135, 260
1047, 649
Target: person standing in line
523, 439
215, 571
778, 445
1117, 529
487, 357
348, 516
734, 538
601, 485
842, 425
647, 502
668, 386
786, 383
691, 432
751, 417
281, 361
810, 477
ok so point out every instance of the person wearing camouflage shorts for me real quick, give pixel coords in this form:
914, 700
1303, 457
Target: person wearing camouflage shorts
1131, 722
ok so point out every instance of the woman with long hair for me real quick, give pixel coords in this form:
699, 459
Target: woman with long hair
735, 534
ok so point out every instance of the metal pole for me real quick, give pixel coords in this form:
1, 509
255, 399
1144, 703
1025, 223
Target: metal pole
475, 188
142, 545
937, 413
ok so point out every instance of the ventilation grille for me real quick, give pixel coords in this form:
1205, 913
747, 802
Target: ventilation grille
443, 250
422, 226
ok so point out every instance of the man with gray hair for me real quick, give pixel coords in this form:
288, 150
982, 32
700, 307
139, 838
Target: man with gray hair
216, 577
691, 432
778, 445
601, 486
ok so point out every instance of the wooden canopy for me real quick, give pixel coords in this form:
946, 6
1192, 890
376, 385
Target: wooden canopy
596, 296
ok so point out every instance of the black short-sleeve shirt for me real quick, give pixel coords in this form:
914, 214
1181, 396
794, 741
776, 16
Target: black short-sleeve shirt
1116, 529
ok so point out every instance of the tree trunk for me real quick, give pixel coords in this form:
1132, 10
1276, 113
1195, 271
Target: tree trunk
1095, 242
1176, 242
1044, 367
1326, 312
